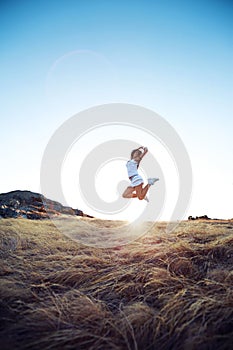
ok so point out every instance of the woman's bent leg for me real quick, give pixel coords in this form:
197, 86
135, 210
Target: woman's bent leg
141, 192
128, 193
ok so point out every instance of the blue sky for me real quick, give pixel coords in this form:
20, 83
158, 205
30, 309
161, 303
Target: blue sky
175, 57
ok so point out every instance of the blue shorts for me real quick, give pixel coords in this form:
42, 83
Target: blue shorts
136, 180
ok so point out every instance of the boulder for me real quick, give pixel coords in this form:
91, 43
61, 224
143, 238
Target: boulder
33, 206
6, 212
203, 217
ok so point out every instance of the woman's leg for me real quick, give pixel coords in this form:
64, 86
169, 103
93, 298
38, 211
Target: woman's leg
141, 192
128, 193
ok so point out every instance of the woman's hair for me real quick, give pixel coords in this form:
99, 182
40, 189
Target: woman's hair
134, 151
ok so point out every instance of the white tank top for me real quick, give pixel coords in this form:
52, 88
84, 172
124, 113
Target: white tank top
132, 167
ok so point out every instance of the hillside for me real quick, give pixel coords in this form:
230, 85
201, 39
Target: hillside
163, 291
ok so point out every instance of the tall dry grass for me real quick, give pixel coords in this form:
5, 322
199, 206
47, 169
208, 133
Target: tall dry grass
164, 291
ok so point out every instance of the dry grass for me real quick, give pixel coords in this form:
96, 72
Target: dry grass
164, 291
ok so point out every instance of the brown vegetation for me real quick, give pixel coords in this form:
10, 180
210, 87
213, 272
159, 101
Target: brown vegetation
163, 291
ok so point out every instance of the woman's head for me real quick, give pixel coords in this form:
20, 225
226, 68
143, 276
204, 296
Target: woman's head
135, 154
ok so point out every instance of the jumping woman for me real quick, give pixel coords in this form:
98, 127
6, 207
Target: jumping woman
135, 190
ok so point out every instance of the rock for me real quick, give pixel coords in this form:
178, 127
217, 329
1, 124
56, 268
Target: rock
203, 217
14, 203
35, 215
79, 212
6, 212
33, 206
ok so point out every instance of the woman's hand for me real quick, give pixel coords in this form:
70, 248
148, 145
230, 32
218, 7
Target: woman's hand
145, 150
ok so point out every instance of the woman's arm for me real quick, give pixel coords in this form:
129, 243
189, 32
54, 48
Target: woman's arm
145, 150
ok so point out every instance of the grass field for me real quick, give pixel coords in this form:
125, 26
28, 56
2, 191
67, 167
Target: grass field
163, 291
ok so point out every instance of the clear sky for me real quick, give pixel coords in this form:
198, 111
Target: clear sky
174, 57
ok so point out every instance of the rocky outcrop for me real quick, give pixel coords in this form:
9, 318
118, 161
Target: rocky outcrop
203, 217
33, 206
